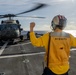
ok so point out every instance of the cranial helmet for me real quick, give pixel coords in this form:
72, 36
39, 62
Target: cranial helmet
59, 21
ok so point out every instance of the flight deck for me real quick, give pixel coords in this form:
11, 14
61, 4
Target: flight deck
25, 59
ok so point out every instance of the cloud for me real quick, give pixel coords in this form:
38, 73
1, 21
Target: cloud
42, 27
64, 7
71, 27
13, 2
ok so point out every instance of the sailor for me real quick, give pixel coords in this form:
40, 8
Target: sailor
57, 46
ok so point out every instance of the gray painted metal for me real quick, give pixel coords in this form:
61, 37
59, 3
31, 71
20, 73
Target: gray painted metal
28, 65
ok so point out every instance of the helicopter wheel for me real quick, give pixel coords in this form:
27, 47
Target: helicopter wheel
21, 37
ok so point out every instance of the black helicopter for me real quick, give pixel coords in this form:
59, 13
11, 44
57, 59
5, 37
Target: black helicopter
11, 29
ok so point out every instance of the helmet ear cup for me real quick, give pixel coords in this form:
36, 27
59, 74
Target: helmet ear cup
53, 25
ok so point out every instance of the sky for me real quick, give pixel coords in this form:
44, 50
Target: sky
55, 7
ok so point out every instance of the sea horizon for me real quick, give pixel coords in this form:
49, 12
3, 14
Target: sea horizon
24, 32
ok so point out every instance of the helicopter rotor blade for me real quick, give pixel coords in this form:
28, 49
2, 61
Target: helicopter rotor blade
2, 17
7, 15
10, 15
31, 16
39, 5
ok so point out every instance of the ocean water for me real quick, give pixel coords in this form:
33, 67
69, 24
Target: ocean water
73, 32
38, 32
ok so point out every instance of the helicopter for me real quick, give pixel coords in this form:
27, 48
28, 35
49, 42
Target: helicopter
10, 29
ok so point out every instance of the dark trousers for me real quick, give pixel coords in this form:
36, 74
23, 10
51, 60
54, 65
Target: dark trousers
47, 71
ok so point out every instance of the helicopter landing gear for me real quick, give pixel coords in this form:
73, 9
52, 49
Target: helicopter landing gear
11, 41
21, 37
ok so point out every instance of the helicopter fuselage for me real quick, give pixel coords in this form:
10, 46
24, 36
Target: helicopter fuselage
9, 31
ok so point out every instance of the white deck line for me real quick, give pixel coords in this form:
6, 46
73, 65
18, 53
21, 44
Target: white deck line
3, 48
19, 55
20, 44
29, 54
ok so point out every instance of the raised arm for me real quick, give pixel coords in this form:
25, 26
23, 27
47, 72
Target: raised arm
34, 40
32, 25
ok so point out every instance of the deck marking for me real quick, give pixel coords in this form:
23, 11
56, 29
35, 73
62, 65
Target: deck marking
19, 44
19, 55
3, 47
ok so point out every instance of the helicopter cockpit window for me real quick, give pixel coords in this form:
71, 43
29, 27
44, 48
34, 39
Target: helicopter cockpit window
14, 26
9, 27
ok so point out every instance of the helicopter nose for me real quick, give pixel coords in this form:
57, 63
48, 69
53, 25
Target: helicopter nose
8, 34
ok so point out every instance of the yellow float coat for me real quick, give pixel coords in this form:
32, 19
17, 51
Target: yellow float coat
60, 45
